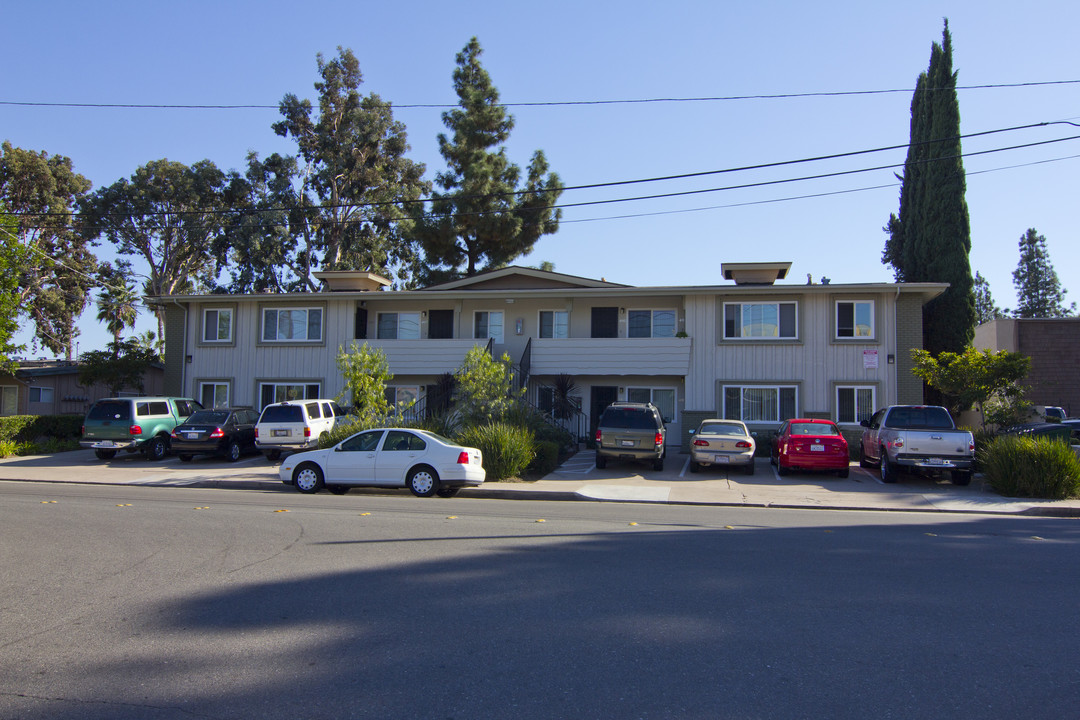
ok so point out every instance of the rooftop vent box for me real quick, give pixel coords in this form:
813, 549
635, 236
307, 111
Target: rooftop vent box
755, 273
351, 280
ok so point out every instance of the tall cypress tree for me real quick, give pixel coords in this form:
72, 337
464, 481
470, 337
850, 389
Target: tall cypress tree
930, 239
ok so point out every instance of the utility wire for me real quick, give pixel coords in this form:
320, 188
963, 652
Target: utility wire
563, 103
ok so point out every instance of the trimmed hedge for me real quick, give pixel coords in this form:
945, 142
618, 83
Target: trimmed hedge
29, 428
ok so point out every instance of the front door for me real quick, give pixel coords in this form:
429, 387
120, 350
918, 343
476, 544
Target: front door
602, 396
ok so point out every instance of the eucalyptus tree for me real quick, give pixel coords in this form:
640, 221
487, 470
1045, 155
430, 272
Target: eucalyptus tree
40, 192
169, 215
341, 202
486, 214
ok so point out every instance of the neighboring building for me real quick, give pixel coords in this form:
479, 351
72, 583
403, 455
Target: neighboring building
1053, 344
750, 349
51, 387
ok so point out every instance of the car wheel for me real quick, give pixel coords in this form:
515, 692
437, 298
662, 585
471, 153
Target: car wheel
273, 455
156, 449
961, 477
338, 489
447, 492
844, 473
658, 464
233, 451
864, 463
780, 469
184, 457
750, 467
105, 454
308, 478
694, 467
601, 461
888, 469
423, 481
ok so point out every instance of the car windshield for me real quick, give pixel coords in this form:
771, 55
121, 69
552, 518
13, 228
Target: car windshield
628, 419
721, 429
814, 429
110, 410
282, 414
208, 417
925, 418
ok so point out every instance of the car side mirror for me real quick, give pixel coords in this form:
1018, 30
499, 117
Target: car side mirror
753, 434
692, 432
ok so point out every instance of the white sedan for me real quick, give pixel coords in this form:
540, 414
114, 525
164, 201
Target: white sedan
426, 463
722, 442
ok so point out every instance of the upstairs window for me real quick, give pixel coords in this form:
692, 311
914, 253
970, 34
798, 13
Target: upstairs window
760, 320
488, 325
217, 325
554, 324
651, 323
855, 319
292, 324
399, 326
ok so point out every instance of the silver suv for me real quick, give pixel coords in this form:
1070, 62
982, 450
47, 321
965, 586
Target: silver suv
294, 425
631, 431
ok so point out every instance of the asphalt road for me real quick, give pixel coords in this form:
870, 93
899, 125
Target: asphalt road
162, 603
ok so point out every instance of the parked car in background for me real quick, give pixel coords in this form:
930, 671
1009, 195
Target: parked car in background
294, 425
426, 463
810, 444
724, 443
142, 424
1054, 413
1050, 430
918, 437
221, 431
631, 431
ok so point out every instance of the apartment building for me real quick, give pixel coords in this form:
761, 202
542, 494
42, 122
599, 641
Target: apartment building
750, 347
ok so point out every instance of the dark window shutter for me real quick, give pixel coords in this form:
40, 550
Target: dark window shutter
361, 324
605, 322
440, 324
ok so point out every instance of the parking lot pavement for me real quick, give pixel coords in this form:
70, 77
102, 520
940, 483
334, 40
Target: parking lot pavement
578, 478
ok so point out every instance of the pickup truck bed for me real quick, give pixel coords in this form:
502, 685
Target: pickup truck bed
921, 437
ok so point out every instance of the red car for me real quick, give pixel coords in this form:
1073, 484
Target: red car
809, 444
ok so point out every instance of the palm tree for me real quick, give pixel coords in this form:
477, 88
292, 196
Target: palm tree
117, 301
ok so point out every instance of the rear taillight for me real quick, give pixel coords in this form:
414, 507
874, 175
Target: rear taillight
658, 440
742, 444
701, 443
175, 434
463, 458
218, 433
256, 432
134, 430
971, 447
307, 432
597, 434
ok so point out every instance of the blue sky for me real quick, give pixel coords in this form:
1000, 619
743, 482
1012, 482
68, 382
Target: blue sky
223, 52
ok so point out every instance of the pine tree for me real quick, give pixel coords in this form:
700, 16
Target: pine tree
985, 308
1038, 290
930, 239
487, 216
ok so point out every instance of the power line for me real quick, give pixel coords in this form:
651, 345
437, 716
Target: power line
555, 103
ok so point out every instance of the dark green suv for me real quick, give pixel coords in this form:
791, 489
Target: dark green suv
134, 424
631, 431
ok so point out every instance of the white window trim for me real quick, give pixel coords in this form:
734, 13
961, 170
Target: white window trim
652, 319
502, 325
206, 325
856, 388
758, 386
306, 309
215, 384
751, 338
539, 324
836, 320
42, 389
283, 383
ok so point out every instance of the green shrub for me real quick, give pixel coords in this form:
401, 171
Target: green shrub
8, 448
445, 424
507, 449
547, 457
349, 425
1017, 466
15, 427
25, 428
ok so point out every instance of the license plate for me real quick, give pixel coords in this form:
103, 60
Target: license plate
627, 443
192, 436
104, 444
817, 448
934, 461
281, 433
723, 459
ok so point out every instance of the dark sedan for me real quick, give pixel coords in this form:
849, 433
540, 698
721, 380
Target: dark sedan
221, 431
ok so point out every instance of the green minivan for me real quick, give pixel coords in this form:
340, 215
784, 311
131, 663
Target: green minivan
134, 424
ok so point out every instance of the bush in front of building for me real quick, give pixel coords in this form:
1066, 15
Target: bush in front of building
547, 457
1018, 466
39, 434
508, 449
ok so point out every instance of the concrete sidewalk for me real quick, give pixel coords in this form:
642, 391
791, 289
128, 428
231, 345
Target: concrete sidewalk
579, 479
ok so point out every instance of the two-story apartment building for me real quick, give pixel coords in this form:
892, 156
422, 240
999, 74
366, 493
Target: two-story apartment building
749, 348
